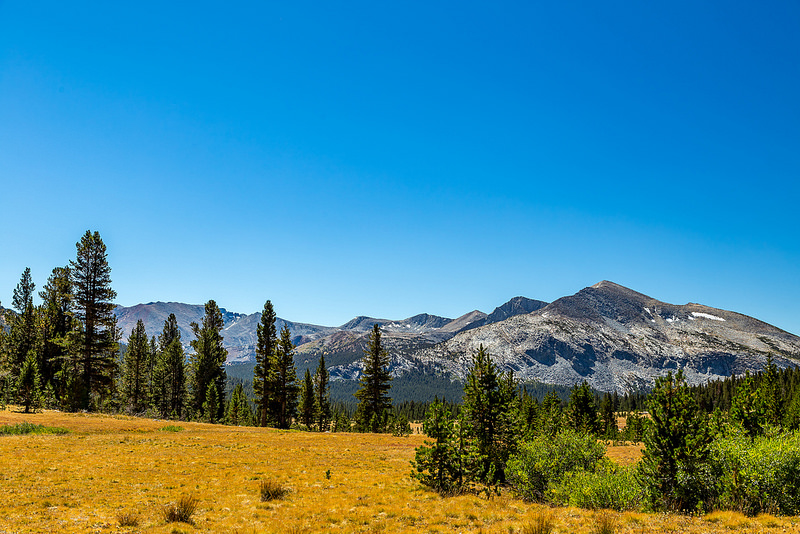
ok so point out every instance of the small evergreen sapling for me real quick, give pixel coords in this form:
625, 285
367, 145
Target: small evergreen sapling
29, 391
436, 463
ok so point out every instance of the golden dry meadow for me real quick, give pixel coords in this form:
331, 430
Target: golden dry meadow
110, 471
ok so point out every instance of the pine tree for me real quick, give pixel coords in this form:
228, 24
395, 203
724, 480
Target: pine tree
551, 416
135, 369
168, 384
771, 395
208, 364
436, 463
22, 336
488, 414
174, 373
96, 346
529, 415
341, 421
608, 418
264, 373
634, 427
286, 388
238, 412
673, 467
174, 367
28, 383
306, 404
747, 406
153, 355
5, 366
211, 404
58, 321
322, 401
373, 393
582, 410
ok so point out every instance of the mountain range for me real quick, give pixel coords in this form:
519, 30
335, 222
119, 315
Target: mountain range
613, 337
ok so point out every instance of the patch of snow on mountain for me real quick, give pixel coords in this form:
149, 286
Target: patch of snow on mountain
707, 316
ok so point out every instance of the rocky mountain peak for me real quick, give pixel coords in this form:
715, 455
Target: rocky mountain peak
604, 300
515, 306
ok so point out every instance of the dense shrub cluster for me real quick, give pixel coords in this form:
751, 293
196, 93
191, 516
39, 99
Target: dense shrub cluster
754, 475
542, 463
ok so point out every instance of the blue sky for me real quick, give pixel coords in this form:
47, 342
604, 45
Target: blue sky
393, 159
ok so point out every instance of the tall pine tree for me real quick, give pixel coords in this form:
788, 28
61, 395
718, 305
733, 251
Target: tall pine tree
96, 345
489, 416
374, 402
208, 365
135, 369
322, 400
264, 372
169, 372
305, 410
286, 388
23, 325
58, 321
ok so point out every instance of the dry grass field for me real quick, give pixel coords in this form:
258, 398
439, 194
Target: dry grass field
112, 470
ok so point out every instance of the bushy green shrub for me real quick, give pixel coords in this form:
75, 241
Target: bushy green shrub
542, 462
757, 475
609, 487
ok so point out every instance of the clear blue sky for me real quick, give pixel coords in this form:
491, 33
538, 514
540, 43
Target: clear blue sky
389, 159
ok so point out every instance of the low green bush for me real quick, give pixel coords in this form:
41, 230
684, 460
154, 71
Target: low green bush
542, 463
607, 487
755, 475
29, 428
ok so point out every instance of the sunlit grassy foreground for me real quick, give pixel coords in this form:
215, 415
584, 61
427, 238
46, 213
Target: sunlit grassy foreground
112, 470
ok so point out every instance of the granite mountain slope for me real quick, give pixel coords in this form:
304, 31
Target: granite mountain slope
343, 344
618, 340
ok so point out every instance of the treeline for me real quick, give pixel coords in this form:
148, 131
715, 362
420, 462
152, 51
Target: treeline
65, 354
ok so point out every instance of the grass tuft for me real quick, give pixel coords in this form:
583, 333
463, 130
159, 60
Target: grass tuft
128, 519
272, 490
542, 523
29, 428
181, 511
171, 428
605, 523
